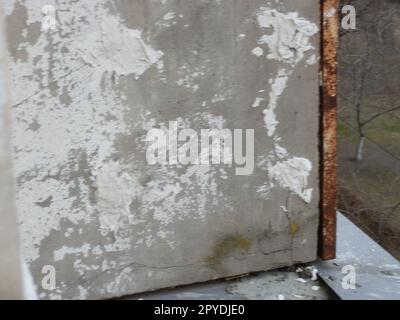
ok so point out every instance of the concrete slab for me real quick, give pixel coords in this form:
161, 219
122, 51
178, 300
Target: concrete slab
91, 80
377, 277
284, 284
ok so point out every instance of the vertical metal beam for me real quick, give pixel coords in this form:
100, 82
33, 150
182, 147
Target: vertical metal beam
330, 36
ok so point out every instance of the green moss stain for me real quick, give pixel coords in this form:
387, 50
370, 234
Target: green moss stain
227, 245
294, 228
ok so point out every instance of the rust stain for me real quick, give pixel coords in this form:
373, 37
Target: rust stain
330, 38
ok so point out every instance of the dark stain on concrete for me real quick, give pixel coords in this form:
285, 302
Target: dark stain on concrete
45, 203
229, 244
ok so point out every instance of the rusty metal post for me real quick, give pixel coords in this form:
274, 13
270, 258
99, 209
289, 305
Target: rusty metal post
330, 37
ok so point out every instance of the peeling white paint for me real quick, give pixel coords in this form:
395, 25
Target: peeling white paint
178, 195
293, 174
190, 77
278, 86
115, 191
78, 180
281, 153
257, 51
288, 43
290, 38
169, 15
284, 209
115, 48
312, 60
257, 102
74, 121
60, 254
168, 20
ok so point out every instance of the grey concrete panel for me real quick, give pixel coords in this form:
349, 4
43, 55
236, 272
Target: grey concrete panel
90, 85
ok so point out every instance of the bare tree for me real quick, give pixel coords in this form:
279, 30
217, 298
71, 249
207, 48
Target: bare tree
369, 99
361, 68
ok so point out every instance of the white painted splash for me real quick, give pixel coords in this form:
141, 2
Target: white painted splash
278, 86
189, 76
61, 253
173, 195
92, 46
257, 51
115, 191
115, 48
292, 174
290, 38
169, 15
257, 102
287, 39
312, 60
96, 48
288, 43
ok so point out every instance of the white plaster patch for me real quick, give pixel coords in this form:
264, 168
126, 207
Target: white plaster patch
69, 122
278, 86
258, 52
115, 191
291, 35
312, 60
115, 48
264, 191
189, 76
173, 195
288, 38
289, 41
60, 254
169, 15
168, 20
257, 102
280, 152
87, 127
292, 174
221, 96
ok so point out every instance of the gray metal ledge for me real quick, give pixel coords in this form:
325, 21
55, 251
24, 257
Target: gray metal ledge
377, 272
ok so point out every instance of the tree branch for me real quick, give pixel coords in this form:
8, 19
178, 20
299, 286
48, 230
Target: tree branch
379, 114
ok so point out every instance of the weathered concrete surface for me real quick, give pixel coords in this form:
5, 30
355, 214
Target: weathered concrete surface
10, 275
84, 97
